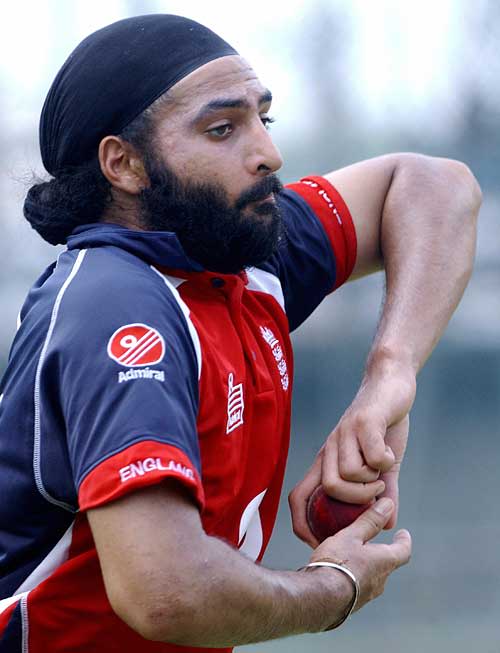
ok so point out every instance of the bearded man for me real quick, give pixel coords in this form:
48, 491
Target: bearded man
145, 416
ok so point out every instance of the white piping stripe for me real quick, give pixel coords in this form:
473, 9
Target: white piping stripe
46, 568
175, 281
54, 559
37, 429
5, 603
172, 283
138, 344
25, 622
263, 281
151, 344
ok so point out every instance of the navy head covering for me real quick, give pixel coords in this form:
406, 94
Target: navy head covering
113, 75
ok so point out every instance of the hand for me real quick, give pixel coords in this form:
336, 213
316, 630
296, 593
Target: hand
361, 458
371, 563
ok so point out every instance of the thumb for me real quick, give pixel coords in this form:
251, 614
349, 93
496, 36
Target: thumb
373, 520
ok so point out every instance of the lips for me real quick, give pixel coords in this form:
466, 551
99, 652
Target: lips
268, 198
263, 191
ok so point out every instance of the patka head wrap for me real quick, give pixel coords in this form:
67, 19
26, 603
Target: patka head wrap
113, 75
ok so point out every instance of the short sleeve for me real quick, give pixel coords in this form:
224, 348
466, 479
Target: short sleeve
127, 376
319, 249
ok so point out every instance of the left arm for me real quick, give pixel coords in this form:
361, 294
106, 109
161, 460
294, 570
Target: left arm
415, 216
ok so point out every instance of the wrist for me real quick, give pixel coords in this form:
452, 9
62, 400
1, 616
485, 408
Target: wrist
387, 361
340, 589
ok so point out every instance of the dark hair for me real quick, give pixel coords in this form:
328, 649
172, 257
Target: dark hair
79, 195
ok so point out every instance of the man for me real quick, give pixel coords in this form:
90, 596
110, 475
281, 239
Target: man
145, 415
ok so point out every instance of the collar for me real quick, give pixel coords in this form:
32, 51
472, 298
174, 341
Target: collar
160, 248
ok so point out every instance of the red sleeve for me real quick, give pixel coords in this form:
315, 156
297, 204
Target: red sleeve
332, 212
145, 463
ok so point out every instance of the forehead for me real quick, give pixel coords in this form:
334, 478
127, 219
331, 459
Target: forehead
230, 77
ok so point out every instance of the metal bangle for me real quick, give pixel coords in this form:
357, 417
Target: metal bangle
351, 577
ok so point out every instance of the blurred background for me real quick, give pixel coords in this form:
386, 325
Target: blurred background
351, 80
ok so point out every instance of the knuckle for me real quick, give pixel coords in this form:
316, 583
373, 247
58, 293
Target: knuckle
393, 559
295, 530
331, 485
330, 443
350, 472
374, 456
371, 520
398, 560
405, 559
369, 494
359, 422
375, 443
362, 474
293, 497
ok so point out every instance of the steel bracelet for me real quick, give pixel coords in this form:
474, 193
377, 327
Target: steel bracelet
352, 578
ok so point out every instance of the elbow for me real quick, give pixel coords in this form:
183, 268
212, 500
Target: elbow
451, 198
455, 178
157, 618
465, 187
465, 199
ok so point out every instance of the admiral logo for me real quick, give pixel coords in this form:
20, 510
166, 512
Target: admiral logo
142, 467
136, 345
235, 404
146, 373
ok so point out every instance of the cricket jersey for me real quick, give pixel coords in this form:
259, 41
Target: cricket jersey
132, 364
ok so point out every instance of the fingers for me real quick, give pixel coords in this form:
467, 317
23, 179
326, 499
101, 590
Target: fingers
392, 492
352, 464
363, 437
297, 500
397, 437
360, 492
372, 521
372, 563
353, 492
401, 548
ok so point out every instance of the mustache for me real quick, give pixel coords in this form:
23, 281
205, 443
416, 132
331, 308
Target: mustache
259, 191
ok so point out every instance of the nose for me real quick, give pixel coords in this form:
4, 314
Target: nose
263, 156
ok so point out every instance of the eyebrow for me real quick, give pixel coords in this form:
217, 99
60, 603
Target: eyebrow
229, 103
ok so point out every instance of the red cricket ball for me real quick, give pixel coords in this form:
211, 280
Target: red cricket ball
326, 516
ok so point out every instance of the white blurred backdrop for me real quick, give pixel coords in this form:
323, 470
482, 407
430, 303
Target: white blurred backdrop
351, 80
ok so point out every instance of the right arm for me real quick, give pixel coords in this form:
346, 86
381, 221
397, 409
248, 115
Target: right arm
171, 582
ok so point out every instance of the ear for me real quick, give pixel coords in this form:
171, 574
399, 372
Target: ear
121, 165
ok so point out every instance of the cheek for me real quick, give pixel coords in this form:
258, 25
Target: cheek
208, 167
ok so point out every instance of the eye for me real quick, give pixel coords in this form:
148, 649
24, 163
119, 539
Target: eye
221, 130
267, 121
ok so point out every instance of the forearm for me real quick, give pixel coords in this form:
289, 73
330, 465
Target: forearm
177, 584
427, 238
228, 601
415, 216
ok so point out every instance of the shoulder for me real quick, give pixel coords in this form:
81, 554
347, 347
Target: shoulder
106, 281
105, 292
107, 272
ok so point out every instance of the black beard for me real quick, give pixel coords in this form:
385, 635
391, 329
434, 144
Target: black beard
219, 236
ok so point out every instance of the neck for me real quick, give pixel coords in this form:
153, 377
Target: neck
124, 210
